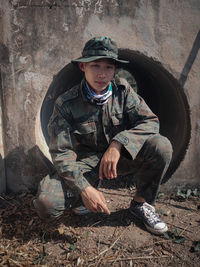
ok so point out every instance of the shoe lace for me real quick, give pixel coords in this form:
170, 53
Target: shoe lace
149, 212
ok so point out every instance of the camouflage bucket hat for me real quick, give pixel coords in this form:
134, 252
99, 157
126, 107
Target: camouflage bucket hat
99, 47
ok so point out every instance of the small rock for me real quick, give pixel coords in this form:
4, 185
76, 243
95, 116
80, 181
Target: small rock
166, 213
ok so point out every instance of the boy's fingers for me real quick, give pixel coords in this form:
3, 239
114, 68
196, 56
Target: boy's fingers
102, 198
111, 174
100, 171
114, 170
103, 204
108, 171
103, 208
106, 210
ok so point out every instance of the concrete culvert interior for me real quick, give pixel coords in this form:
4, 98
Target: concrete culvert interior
158, 87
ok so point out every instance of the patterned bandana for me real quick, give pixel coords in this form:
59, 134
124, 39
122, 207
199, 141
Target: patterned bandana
98, 99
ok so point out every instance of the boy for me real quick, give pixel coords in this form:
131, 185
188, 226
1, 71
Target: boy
100, 129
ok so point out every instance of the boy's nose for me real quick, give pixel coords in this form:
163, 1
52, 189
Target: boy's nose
101, 74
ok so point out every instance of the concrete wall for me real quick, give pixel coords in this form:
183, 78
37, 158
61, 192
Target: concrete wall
38, 38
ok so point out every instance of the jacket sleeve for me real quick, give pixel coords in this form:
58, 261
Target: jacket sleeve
141, 121
61, 149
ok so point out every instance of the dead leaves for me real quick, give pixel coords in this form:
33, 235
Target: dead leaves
195, 246
175, 236
61, 230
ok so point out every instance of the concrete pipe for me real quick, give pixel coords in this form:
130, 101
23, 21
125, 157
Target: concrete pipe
156, 85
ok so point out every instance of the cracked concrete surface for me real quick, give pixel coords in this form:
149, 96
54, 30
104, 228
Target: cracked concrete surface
39, 38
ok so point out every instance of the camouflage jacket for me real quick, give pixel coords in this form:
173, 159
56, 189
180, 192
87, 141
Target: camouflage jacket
81, 131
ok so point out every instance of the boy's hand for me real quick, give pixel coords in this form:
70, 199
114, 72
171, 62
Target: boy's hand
94, 200
108, 165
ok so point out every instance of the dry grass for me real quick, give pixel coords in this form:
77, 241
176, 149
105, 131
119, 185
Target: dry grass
96, 239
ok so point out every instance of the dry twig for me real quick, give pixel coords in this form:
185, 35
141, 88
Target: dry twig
140, 258
185, 229
104, 251
179, 227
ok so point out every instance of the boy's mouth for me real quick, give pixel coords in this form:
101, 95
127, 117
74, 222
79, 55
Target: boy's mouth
101, 83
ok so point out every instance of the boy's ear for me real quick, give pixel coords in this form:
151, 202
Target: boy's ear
81, 66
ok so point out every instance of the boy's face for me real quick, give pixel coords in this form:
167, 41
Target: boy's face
98, 73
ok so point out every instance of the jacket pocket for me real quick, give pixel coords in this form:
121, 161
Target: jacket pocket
85, 133
117, 119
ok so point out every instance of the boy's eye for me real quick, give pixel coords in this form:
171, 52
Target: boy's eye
95, 65
109, 67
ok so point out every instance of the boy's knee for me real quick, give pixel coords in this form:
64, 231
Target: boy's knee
161, 147
48, 208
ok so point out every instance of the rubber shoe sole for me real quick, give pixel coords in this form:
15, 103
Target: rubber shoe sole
157, 231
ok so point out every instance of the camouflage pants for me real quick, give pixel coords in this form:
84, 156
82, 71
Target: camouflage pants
148, 167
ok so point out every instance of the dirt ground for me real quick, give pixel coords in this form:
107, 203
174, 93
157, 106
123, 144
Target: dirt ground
98, 239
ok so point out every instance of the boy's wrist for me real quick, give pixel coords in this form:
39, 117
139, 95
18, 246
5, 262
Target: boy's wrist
116, 144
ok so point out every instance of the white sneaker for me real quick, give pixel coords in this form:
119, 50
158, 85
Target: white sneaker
146, 213
81, 210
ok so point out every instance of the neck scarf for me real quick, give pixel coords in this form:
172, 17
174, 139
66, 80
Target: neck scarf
98, 99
